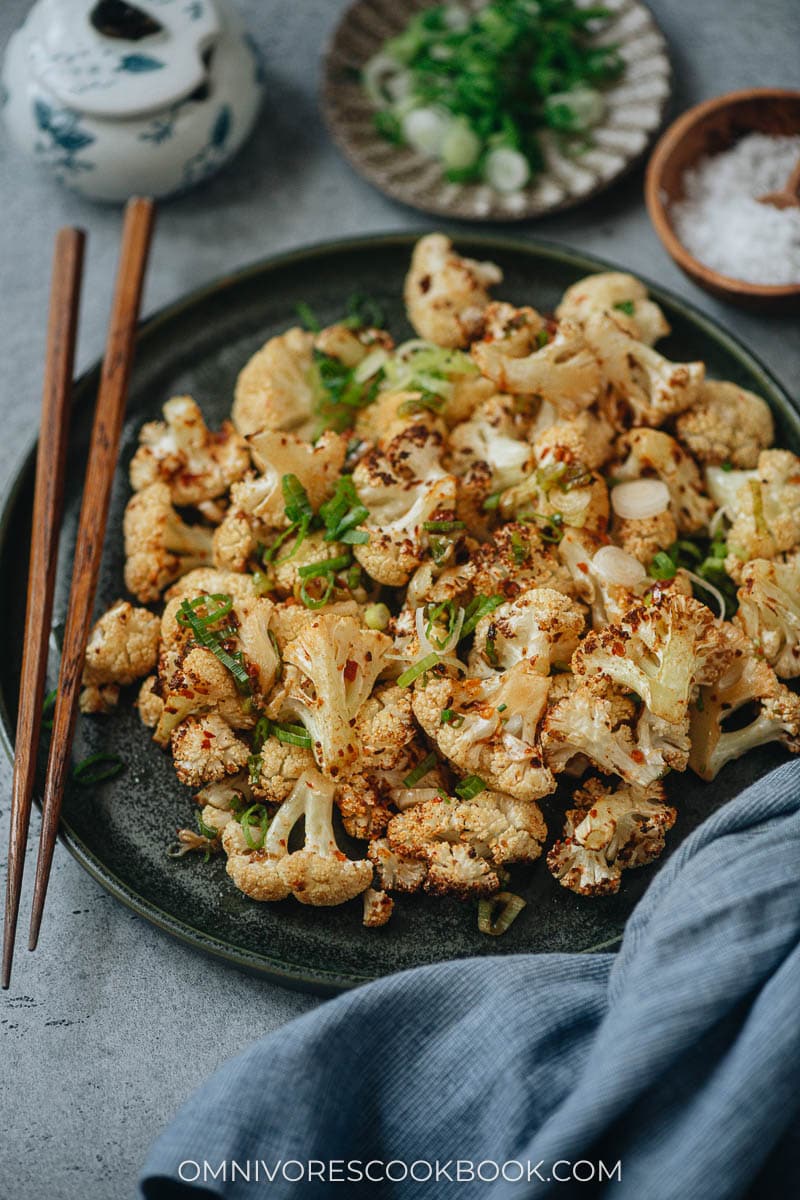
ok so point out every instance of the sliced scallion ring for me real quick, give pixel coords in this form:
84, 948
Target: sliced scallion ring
425, 664
494, 922
97, 768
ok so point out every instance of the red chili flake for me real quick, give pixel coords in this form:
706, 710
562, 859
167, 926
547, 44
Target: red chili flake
637, 756
584, 567
350, 670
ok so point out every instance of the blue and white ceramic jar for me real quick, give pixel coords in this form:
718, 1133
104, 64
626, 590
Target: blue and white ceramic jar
148, 97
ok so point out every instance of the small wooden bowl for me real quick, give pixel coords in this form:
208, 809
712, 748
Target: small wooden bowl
707, 129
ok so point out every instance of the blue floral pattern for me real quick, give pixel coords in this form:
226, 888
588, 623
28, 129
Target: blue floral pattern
138, 63
62, 126
203, 164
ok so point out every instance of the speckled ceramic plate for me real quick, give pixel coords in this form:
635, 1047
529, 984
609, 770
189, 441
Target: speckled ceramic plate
635, 107
119, 831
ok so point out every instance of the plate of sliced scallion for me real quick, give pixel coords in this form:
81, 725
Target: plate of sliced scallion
495, 110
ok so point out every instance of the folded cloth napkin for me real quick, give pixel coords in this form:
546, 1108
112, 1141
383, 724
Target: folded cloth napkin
678, 1058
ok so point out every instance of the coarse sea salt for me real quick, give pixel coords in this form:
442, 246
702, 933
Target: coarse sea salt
720, 221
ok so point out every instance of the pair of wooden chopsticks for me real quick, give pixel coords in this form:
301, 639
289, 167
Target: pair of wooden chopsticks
47, 504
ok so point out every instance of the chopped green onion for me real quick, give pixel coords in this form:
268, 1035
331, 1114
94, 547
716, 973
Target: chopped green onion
495, 922
246, 820
343, 512
492, 502
206, 830
442, 526
328, 566
502, 708
363, 313
425, 664
233, 661
449, 609
426, 401
293, 735
662, 566
727, 465
307, 315
295, 499
420, 771
449, 716
85, 774
470, 787
477, 608
519, 549
625, 306
262, 584
254, 768
542, 338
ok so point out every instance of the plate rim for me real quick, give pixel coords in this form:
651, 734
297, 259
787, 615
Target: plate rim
336, 128
321, 980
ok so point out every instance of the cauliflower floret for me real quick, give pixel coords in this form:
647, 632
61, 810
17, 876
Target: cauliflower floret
495, 434
319, 874
497, 737
763, 506
608, 832
592, 722
276, 389
748, 680
463, 841
445, 294
651, 452
542, 626
280, 765
557, 494
643, 537
516, 560
769, 611
652, 387
205, 749
122, 647
289, 618
198, 683
159, 546
560, 370
627, 296
352, 346
227, 795
377, 908
277, 454
396, 872
235, 541
385, 732
331, 668
404, 487
284, 574
182, 452
726, 424
149, 703
207, 581
662, 652
586, 439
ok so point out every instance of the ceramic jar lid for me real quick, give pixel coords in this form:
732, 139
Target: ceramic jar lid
109, 58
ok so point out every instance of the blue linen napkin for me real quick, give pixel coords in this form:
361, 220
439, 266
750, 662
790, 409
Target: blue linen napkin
678, 1058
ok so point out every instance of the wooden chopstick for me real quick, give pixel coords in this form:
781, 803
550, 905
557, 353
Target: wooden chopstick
65, 293
103, 453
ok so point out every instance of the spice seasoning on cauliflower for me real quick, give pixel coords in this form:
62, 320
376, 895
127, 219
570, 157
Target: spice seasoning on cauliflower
417, 586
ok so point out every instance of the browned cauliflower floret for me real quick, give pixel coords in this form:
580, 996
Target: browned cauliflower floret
182, 452
377, 908
726, 423
462, 842
542, 626
516, 560
662, 652
159, 546
769, 611
276, 388
330, 670
289, 618
280, 765
749, 680
198, 683
404, 487
495, 434
560, 368
205, 749
396, 872
284, 572
494, 731
592, 722
277, 454
623, 294
445, 294
149, 703
608, 832
122, 647
643, 537
586, 439
649, 452
208, 581
260, 864
648, 385
762, 505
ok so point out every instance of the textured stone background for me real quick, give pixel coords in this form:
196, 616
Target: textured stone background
111, 1024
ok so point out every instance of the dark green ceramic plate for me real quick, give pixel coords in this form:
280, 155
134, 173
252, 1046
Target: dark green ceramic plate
119, 831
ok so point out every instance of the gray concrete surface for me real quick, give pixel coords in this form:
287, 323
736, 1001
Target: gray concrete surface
110, 1025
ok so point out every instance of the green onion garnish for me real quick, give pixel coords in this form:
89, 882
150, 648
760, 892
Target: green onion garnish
442, 526
293, 735
92, 770
481, 606
542, 338
256, 813
470, 787
662, 566
497, 913
210, 640
492, 502
307, 315
425, 664
625, 306
420, 771
254, 768
449, 716
206, 830
328, 566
